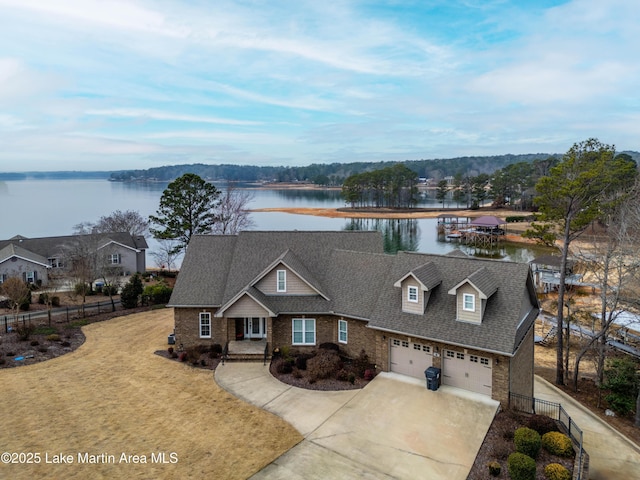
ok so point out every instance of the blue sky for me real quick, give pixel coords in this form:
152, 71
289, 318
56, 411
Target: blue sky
110, 85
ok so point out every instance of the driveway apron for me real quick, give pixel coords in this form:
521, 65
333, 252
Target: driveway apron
392, 428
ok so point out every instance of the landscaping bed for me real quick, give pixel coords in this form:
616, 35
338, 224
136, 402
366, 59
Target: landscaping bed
499, 444
37, 341
326, 368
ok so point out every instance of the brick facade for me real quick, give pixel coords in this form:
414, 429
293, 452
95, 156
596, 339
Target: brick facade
515, 374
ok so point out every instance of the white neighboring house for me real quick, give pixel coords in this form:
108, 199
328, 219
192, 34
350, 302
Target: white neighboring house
34, 259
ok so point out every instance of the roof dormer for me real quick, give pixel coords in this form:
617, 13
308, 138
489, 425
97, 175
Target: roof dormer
416, 287
472, 294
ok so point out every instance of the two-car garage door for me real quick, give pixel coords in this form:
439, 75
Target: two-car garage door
459, 369
410, 358
470, 372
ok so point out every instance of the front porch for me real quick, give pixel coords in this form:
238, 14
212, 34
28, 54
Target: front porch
248, 350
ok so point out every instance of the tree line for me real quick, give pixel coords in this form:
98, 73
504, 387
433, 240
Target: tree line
330, 174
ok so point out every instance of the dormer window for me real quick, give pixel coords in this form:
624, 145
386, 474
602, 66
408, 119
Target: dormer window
281, 281
469, 302
412, 294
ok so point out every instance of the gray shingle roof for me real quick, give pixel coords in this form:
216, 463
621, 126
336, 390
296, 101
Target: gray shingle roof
359, 280
48, 247
12, 250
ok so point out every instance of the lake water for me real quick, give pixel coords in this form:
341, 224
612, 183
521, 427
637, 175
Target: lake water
42, 208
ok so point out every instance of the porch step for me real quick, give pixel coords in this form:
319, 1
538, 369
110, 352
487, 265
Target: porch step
246, 357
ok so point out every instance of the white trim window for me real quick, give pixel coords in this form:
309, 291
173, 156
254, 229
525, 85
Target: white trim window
412, 294
468, 302
115, 259
281, 281
303, 331
205, 325
342, 331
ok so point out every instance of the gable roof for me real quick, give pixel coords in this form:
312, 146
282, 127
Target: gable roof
500, 330
358, 280
12, 250
240, 260
49, 247
482, 280
427, 275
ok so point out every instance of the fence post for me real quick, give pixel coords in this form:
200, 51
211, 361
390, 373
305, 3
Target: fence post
67, 314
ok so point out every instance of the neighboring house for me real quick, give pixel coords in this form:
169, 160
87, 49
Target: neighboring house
34, 259
472, 318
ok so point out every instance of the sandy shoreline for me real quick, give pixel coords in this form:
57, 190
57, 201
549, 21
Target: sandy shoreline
513, 231
419, 213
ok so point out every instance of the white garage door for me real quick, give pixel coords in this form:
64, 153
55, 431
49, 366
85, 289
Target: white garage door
470, 372
410, 358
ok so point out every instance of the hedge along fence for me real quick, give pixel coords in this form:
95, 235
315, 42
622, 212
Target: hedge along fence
523, 403
519, 218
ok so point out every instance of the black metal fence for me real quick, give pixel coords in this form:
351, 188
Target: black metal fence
10, 322
523, 403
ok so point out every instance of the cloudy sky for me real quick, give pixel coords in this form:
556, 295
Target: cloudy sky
109, 85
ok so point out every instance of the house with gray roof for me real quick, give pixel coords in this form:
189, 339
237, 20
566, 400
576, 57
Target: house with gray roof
34, 260
472, 318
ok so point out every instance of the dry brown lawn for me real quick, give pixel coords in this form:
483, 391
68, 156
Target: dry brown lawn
115, 396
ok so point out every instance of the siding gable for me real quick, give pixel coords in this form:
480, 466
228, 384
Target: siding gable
246, 306
481, 284
295, 285
423, 278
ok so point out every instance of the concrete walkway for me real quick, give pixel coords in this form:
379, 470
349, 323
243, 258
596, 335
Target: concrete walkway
392, 428
611, 454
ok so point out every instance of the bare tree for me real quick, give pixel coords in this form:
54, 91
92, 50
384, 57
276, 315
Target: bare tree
80, 255
232, 213
55, 280
166, 255
109, 270
128, 221
17, 292
613, 263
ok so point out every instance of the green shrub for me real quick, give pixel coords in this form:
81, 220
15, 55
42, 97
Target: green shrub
521, 467
527, 441
54, 337
159, 293
494, 468
622, 382
555, 471
542, 424
557, 443
45, 330
82, 289
110, 290
131, 292
55, 301
325, 364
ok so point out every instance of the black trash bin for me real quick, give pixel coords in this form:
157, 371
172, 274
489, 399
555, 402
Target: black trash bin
171, 339
433, 378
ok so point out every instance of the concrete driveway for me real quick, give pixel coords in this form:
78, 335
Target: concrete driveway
392, 428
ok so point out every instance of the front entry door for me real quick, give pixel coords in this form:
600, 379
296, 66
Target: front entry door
254, 327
